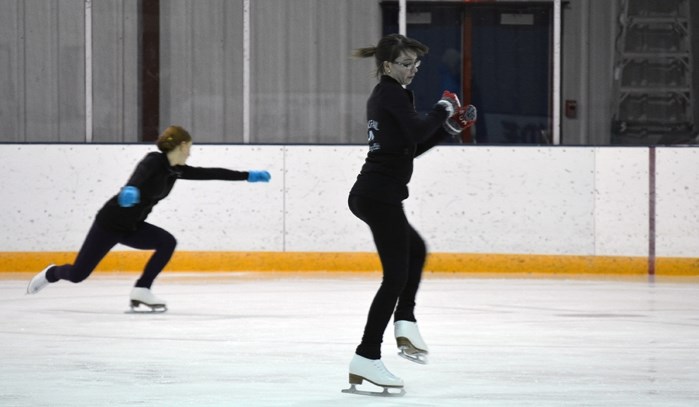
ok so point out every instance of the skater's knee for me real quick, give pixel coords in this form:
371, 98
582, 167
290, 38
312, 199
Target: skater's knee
421, 253
395, 283
418, 249
168, 242
172, 242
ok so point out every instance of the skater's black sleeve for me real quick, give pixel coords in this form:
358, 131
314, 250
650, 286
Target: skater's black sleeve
201, 173
437, 137
394, 107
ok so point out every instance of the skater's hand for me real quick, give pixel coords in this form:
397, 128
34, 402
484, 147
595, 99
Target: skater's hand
258, 176
129, 196
463, 118
450, 101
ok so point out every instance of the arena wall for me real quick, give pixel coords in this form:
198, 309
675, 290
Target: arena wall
480, 209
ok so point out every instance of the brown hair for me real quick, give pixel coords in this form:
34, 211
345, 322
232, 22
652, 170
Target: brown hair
172, 137
389, 48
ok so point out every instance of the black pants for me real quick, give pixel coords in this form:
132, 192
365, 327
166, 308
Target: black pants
100, 241
402, 252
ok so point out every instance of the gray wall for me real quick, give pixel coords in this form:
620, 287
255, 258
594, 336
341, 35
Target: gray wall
115, 80
589, 29
42, 70
201, 61
694, 11
41, 46
305, 88
323, 90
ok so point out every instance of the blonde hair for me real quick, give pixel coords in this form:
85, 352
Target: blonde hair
389, 48
172, 137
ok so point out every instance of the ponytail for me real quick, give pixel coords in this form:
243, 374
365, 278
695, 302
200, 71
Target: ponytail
364, 52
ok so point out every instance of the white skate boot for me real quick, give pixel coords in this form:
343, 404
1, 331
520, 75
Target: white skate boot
39, 281
374, 372
144, 296
410, 343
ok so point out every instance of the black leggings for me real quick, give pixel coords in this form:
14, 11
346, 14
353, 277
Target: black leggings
402, 252
100, 241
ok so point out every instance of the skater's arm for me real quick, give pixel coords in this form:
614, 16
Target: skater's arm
202, 173
415, 127
439, 136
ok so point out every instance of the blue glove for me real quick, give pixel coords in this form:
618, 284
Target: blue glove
258, 176
129, 196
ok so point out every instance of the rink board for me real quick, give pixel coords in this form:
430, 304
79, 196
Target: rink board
134, 261
501, 209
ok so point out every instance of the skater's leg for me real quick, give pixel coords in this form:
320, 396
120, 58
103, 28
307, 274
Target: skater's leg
151, 237
408, 337
98, 243
405, 310
391, 232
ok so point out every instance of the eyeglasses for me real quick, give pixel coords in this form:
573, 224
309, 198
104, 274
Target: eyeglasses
409, 65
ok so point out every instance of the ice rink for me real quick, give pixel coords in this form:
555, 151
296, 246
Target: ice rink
250, 339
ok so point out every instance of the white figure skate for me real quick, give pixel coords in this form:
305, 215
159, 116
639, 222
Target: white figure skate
374, 372
39, 281
410, 343
143, 296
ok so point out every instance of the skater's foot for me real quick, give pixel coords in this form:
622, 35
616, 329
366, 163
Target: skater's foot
39, 281
372, 370
144, 296
410, 342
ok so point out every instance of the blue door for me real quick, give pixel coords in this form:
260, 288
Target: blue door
496, 56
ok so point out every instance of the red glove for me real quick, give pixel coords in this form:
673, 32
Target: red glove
450, 101
463, 118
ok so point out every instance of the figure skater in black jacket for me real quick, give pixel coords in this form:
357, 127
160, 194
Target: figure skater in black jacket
122, 219
396, 134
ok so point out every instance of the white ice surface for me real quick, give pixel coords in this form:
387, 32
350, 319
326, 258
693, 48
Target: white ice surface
248, 340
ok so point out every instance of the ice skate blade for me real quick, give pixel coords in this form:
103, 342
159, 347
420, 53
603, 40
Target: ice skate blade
149, 309
413, 355
385, 393
404, 343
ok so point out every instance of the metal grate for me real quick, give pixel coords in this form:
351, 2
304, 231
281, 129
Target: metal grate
653, 94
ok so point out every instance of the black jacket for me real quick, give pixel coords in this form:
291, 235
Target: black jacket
155, 177
397, 134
